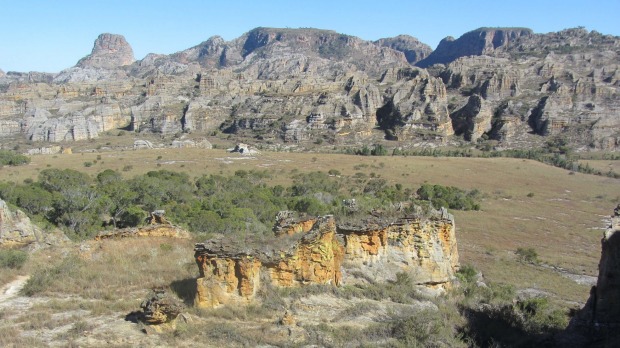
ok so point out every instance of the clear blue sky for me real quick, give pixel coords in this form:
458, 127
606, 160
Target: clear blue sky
51, 35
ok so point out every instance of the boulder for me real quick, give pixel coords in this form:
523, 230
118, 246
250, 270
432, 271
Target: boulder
142, 144
17, 231
244, 149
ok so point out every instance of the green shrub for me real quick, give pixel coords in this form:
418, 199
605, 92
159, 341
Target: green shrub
132, 216
14, 259
165, 247
449, 197
467, 274
10, 158
528, 255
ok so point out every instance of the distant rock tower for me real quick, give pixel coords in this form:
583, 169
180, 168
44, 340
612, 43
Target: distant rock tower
110, 51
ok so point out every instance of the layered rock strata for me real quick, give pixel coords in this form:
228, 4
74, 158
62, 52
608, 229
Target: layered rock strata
305, 86
155, 230
316, 251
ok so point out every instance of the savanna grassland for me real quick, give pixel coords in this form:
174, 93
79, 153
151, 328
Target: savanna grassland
538, 230
525, 204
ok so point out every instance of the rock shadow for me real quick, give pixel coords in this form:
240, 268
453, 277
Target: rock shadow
185, 289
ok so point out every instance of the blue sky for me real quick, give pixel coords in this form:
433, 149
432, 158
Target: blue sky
46, 35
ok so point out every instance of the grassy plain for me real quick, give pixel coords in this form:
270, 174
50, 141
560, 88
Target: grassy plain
526, 204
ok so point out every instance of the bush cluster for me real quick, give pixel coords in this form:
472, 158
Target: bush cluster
238, 204
10, 158
449, 197
14, 259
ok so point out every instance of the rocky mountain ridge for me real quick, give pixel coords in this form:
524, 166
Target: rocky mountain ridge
304, 86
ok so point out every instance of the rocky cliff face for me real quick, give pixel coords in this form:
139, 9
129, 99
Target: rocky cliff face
482, 41
425, 249
110, 51
316, 251
413, 49
596, 325
606, 304
305, 85
17, 231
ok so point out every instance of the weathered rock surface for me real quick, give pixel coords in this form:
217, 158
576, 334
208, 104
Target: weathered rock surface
316, 251
597, 323
163, 230
17, 231
312, 86
417, 106
482, 41
413, 49
110, 51
425, 249
473, 119
159, 308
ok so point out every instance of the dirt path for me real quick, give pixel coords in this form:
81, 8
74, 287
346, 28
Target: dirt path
10, 290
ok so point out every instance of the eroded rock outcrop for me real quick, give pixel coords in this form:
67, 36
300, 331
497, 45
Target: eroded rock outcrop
315, 251
473, 119
596, 325
17, 231
232, 272
110, 51
165, 230
425, 249
306, 86
482, 41
413, 49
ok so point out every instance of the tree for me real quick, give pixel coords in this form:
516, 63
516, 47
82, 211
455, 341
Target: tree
76, 202
117, 198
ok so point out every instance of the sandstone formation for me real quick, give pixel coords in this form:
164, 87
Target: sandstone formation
606, 302
159, 308
17, 231
473, 119
425, 249
110, 51
157, 226
413, 49
597, 323
304, 86
165, 230
316, 251
482, 41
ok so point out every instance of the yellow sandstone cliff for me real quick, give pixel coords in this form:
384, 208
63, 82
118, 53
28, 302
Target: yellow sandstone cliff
316, 251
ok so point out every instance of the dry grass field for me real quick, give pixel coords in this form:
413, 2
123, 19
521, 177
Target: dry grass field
603, 165
526, 204
83, 292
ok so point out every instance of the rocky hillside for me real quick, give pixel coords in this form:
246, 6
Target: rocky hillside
303, 86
